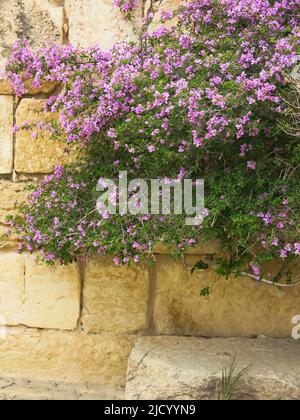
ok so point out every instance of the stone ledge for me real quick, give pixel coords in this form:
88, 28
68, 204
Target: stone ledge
72, 359
12, 389
166, 368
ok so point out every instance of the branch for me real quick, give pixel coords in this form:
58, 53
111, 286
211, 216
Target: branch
269, 282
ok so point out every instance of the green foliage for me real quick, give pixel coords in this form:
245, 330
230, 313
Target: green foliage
231, 378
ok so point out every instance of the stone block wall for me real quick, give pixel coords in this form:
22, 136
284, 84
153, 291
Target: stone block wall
78, 324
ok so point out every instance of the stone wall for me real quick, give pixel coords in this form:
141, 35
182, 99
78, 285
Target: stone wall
78, 324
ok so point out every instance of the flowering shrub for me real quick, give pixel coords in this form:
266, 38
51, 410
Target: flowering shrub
197, 100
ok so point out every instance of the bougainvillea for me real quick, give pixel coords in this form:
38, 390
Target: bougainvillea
197, 99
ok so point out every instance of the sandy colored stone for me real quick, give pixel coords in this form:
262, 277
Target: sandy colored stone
41, 22
67, 358
6, 134
5, 87
12, 194
39, 155
235, 307
38, 296
12, 389
99, 22
173, 368
52, 296
12, 278
115, 299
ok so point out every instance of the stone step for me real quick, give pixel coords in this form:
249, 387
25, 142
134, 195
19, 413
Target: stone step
166, 368
26, 390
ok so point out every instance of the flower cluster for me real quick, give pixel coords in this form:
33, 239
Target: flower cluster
126, 6
199, 99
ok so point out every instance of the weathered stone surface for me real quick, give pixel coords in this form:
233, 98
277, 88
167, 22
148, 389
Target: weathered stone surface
70, 358
11, 195
98, 22
5, 87
37, 296
52, 296
12, 277
40, 21
166, 368
115, 299
236, 307
39, 155
12, 389
6, 134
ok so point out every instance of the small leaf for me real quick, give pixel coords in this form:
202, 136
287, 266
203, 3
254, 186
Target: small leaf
205, 292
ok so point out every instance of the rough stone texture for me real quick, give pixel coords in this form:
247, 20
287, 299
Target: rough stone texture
12, 277
12, 194
52, 296
37, 155
67, 358
236, 307
165, 368
38, 296
98, 22
6, 134
5, 87
40, 21
115, 299
12, 389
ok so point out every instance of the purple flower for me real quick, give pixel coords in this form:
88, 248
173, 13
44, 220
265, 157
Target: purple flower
252, 165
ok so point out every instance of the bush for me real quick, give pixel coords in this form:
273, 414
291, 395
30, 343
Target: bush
200, 99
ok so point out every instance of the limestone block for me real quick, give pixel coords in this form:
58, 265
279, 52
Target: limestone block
52, 296
6, 134
39, 155
235, 307
67, 358
41, 22
12, 277
38, 296
115, 299
99, 22
11, 196
171, 368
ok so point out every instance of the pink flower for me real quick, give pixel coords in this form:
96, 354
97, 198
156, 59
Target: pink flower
252, 165
256, 269
112, 133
